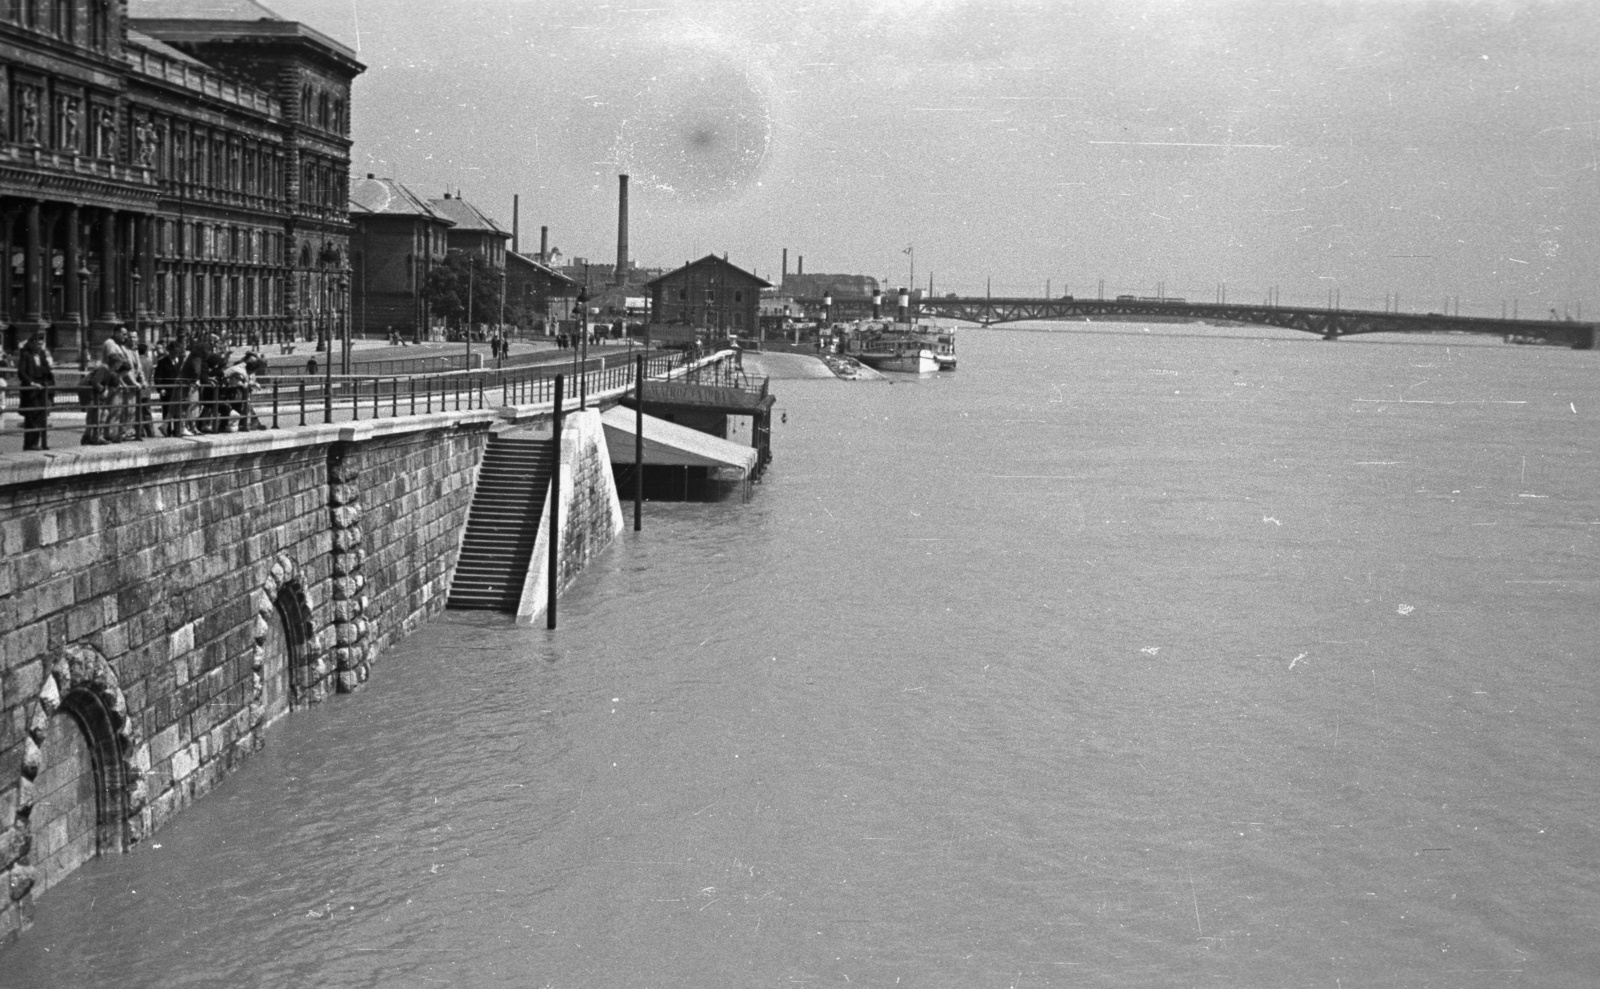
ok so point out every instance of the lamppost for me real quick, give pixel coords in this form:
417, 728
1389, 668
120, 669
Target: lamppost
83, 317
581, 352
137, 337
344, 319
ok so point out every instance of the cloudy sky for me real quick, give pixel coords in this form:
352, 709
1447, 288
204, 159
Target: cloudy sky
1442, 152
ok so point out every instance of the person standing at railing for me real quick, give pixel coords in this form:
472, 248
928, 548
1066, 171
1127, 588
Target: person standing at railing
213, 411
196, 379
35, 377
144, 422
168, 372
118, 387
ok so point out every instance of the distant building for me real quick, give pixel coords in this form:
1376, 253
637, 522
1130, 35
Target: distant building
536, 295
708, 294
471, 230
397, 241
841, 287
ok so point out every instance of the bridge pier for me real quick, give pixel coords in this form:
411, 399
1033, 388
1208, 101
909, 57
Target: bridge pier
1331, 334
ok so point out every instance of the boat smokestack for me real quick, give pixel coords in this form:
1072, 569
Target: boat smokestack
877, 304
622, 230
905, 306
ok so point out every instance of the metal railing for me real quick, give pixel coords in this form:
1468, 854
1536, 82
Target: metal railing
285, 402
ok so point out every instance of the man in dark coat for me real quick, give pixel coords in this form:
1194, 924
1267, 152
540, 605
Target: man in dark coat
36, 377
169, 379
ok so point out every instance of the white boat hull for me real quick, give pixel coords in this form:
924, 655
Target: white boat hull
910, 362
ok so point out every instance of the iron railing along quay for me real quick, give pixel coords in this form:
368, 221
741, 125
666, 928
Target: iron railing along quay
281, 402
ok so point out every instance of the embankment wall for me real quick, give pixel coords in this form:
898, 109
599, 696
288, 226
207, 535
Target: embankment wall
173, 599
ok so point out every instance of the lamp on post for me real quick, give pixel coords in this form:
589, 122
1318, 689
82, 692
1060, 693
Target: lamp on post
344, 320
581, 352
83, 318
137, 332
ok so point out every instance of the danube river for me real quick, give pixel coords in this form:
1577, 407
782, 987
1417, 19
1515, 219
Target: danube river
1122, 656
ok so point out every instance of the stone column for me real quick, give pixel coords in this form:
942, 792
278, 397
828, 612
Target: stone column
32, 269
70, 336
108, 268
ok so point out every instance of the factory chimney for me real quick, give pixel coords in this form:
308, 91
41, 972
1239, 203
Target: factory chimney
516, 224
544, 245
622, 230
785, 269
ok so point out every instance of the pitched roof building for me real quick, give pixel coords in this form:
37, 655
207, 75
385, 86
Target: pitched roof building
472, 230
398, 240
708, 294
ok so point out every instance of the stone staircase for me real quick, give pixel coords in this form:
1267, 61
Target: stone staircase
502, 525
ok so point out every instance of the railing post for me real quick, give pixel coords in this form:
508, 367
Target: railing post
638, 447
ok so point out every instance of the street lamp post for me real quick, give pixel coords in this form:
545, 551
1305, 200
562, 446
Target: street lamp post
83, 318
581, 352
344, 319
137, 336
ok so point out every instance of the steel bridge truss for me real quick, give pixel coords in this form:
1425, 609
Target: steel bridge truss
1330, 324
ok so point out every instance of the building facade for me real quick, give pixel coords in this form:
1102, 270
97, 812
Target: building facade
708, 294
397, 241
471, 230
537, 297
179, 174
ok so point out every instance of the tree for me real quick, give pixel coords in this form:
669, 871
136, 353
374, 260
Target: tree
447, 285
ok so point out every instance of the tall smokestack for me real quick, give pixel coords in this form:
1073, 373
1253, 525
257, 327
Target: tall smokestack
544, 245
516, 224
785, 268
800, 264
622, 229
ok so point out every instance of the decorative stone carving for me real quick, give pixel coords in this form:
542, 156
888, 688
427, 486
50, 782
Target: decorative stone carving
70, 127
28, 104
146, 142
105, 133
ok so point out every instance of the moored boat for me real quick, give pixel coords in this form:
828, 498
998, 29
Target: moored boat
899, 347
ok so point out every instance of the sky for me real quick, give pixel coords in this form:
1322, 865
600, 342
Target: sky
1386, 152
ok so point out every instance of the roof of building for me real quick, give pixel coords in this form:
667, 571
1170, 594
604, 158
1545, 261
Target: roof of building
201, 21
205, 10
465, 216
142, 40
713, 261
514, 258
386, 197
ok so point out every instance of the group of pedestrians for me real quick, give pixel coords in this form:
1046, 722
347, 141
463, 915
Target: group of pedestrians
199, 385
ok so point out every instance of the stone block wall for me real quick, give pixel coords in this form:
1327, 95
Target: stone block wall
414, 493
138, 587
134, 591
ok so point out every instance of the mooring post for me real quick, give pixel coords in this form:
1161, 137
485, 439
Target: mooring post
638, 445
555, 509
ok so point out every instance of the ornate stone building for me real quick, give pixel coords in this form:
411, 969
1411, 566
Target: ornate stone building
182, 171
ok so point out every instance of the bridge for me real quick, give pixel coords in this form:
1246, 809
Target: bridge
1330, 324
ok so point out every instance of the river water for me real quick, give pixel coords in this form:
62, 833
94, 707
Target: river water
1123, 656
